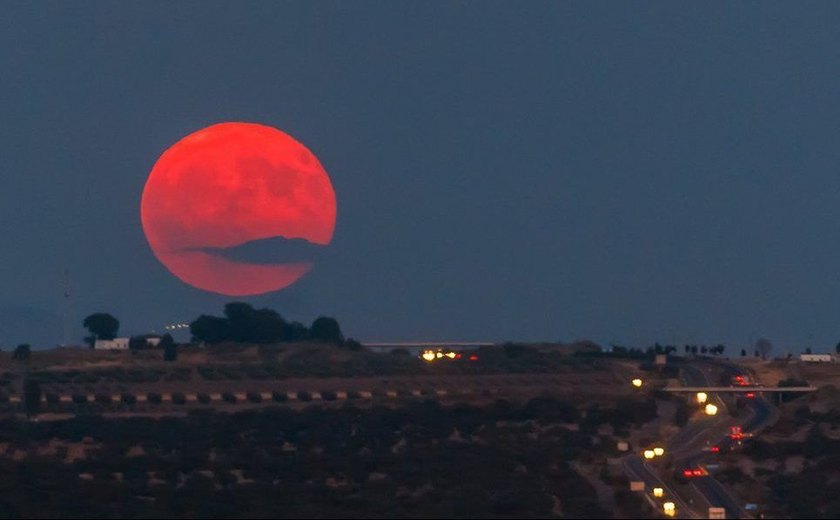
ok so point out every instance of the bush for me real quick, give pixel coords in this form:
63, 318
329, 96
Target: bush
228, 397
179, 398
353, 394
79, 398
329, 395
127, 398
103, 398
254, 397
204, 398
280, 397
304, 396
154, 398
53, 399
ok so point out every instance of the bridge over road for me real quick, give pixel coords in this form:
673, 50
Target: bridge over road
735, 389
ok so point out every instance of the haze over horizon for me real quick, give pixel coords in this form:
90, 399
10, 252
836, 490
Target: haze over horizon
625, 173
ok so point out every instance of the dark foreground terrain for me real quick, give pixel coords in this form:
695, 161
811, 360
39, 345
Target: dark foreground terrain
419, 460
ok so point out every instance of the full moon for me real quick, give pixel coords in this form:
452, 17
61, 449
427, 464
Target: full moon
227, 187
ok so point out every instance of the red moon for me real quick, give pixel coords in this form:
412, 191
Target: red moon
228, 185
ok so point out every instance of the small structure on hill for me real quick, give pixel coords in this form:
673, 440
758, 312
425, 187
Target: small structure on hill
111, 344
816, 358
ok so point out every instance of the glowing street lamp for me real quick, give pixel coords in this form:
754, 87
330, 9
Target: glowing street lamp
658, 492
701, 397
649, 454
659, 451
711, 409
428, 355
637, 382
669, 509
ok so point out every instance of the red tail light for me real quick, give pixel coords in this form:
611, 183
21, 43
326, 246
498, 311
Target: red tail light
687, 472
715, 449
457, 356
473, 358
750, 395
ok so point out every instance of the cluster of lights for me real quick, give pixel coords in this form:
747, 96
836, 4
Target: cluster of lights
654, 452
177, 326
696, 472
434, 355
710, 408
667, 507
637, 382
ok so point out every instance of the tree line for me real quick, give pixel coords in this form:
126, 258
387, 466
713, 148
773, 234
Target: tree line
240, 323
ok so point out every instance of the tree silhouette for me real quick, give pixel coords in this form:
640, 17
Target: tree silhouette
210, 329
102, 325
22, 352
743, 352
764, 347
170, 349
327, 330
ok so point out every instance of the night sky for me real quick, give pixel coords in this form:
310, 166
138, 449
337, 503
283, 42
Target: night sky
621, 171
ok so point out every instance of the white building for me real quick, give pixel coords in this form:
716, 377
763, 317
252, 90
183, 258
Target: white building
816, 358
111, 344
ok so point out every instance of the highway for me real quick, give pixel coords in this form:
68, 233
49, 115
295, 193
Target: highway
756, 415
635, 466
689, 447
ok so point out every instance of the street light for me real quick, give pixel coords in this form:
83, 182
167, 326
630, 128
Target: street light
711, 409
669, 508
649, 454
701, 397
659, 451
637, 382
658, 492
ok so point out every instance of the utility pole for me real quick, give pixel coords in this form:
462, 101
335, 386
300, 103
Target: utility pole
66, 306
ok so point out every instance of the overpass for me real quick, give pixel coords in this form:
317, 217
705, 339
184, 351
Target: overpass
750, 389
427, 343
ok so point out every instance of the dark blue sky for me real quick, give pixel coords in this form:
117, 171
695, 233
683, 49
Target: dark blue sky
617, 171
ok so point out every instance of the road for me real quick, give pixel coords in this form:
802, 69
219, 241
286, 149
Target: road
757, 414
636, 467
689, 446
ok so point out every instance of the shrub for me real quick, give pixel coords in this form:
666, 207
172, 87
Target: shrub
254, 397
280, 397
204, 398
53, 399
79, 398
329, 395
154, 398
103, 398
228, 397
127, 398
179, 398
304, 396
